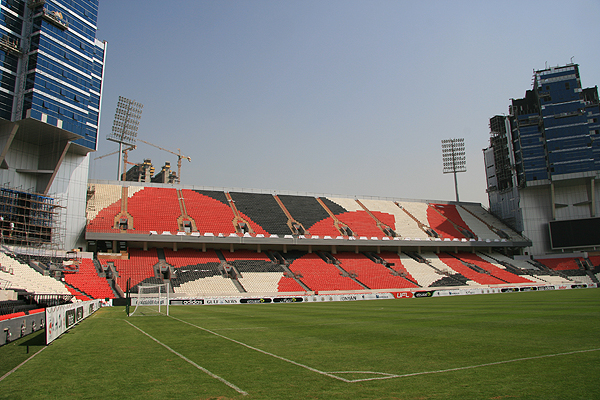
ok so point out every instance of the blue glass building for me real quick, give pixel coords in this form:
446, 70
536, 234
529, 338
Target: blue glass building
544, 157
51, 77
54, 73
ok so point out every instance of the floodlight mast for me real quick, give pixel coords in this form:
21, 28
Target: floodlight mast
454, 159
125, 126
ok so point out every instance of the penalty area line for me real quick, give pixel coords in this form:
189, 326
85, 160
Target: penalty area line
231, 385
390, 376
383, 375
263, 351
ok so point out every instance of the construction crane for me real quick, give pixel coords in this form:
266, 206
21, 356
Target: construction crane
125, 152
106, 155
179, 156
116, 151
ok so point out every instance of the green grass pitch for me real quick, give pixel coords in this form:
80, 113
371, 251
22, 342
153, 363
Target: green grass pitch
535, 345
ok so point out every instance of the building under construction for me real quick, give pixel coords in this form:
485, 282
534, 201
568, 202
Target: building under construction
543, 162
30, 225
144, 172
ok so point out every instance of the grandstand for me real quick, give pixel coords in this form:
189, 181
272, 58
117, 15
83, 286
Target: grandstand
209, 242
214, 246
227, 243
219, 243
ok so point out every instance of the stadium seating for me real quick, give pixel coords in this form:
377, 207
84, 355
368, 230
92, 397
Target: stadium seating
103, 196
418, 211
476, 225
78, 294
361, 223
494, 270
104, 220
210, 211
204, 279
139, 267
318, 275
403, 225
478, 277
154, 209
421, 273
245, 255
307, 211
189, 257
396, 263
255, 205
214, 215
439, 221
560, 264
486, 217
105, 205
22, 276
258, 274
87, 280
374, 275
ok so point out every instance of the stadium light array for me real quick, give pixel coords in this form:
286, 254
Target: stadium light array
454, 159
125, 125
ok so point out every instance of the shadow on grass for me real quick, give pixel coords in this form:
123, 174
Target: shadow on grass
36, 339
14, 353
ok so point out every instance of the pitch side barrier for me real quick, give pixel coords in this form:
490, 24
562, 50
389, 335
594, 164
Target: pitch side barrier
337, 296
61, 318
20, 324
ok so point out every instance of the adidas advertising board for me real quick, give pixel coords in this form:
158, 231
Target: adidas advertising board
318, 298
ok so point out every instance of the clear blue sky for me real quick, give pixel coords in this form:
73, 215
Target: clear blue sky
343, 97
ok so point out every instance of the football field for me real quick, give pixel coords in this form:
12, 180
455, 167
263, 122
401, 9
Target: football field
534, 345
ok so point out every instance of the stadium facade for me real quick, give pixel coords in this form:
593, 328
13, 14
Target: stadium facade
50, 101
543, 162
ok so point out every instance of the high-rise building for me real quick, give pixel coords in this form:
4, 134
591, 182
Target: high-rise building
543, 162
51, 69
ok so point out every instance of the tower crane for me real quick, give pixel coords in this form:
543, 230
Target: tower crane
106, 155
125, 161
179, 156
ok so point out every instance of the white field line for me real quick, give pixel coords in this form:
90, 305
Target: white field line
262, 351
20, 365
384, 374
390, 376
231, 385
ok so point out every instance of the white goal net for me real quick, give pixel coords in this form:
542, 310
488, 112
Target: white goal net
150, 300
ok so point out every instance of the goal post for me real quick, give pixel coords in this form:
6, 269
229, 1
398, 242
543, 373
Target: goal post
150, 299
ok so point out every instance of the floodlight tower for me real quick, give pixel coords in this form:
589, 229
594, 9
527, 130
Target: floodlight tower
125, 126
454, 158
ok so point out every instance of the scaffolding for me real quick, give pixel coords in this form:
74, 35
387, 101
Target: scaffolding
499, 142
31, 225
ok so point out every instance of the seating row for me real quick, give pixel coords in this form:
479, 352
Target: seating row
264, 214
197, 272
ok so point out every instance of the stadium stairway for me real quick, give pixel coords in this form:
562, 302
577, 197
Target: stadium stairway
290, 282
79, 294
343, 272
552, 272
452, 215
490, 268
393, 263
470, 270
445, 276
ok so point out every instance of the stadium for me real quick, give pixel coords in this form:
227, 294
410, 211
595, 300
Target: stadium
147, 287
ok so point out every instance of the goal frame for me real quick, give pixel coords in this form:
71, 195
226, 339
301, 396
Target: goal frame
150, 299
